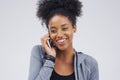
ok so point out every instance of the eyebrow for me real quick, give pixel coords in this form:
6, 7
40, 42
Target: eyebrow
64, 25
51, 27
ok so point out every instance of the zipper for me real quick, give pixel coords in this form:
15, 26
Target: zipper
76, 65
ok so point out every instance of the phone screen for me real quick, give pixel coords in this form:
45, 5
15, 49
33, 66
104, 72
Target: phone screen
50, 43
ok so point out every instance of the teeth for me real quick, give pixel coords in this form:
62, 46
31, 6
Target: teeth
62, 40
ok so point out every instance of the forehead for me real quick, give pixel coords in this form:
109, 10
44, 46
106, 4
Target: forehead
58, 20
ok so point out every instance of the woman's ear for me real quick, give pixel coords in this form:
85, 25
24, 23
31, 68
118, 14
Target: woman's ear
74, 28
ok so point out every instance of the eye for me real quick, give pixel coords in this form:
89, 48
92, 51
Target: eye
65, 28
53, 30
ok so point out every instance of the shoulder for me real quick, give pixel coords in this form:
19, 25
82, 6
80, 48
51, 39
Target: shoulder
88, 61
87, 58
89, 65
37, 51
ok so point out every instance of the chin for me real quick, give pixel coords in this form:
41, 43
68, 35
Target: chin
61, 48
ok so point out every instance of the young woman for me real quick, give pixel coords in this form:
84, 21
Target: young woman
60, 61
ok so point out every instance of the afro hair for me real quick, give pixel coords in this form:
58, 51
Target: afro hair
48, 8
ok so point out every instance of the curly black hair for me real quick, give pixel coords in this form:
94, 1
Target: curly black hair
48, 8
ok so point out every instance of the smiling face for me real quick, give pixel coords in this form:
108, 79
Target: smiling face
61, 31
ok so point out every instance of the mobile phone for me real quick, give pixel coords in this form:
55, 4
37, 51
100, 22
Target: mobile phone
50, 43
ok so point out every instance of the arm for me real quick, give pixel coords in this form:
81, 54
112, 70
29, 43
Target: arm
39, 70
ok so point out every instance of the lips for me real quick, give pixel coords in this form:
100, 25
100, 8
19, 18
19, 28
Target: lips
61, 41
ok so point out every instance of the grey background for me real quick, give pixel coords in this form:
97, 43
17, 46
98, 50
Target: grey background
98, 35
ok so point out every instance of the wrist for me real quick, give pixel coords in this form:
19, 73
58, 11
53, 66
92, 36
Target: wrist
50, 57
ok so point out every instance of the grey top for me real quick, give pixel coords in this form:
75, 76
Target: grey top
85, 67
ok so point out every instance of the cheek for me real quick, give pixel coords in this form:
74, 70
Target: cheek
71, 36
70, 33
52, 37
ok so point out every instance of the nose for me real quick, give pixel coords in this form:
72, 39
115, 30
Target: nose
60, 34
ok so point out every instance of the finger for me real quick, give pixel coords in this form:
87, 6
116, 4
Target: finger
44, 40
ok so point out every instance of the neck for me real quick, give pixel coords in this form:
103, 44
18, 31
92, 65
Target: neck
66, 55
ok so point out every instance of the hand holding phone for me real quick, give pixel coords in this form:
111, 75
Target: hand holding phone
47, 44
50, 43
